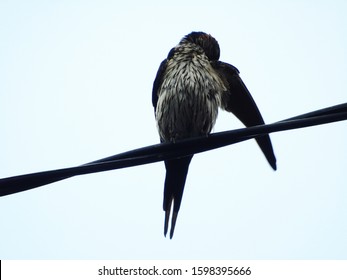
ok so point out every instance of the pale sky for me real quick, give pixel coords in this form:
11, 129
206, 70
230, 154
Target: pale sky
75, 86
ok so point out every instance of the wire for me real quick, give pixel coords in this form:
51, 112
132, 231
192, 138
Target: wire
159, 152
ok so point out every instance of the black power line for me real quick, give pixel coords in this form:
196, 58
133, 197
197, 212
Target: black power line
165, 151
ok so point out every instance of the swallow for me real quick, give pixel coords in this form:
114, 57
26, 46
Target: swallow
190, 85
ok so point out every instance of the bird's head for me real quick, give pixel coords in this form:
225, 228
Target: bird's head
206, 42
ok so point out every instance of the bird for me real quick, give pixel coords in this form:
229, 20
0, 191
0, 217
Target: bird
190, 86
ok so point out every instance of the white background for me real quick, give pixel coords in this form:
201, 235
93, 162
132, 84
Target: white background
75, 86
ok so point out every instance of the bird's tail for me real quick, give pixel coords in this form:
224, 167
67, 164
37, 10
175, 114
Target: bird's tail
176, 174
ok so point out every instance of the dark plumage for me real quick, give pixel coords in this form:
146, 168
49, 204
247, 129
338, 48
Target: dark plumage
189, 87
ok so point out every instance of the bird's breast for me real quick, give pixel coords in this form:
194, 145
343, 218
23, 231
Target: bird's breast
188, 98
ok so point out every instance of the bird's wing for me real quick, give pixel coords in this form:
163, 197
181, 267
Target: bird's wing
157, 83
239, 101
